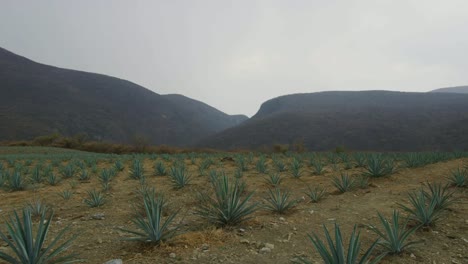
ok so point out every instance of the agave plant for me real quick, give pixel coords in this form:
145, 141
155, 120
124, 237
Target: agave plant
459, 177
36, 207
95, 199
442, 196
279, 201
84, 175
119, 166
336, 253
36, 175
274, 179
17, 181
261, 165
316, 194
180, 177
394, 236
343, 183
152, 227
137, 171
159, 169
227, 207
379, 166
296, 166
28, 244
423, 210
68, 171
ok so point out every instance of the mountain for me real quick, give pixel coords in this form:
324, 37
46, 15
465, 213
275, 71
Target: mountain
364, 120
37, 99
456, 89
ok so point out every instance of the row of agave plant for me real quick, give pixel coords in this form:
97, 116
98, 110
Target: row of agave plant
229, 204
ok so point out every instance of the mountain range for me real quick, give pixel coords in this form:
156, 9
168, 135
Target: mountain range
37, 99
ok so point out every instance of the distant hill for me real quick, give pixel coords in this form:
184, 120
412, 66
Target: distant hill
37, 99
456, 89
365, 120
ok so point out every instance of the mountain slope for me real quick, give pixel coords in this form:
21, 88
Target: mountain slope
456, 89
37, 99
367, 120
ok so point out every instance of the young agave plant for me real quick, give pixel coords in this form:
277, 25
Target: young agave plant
343, 183
180, 177
227, 207
423, 210
378, 166
274, 179
28, 244
95, 199
279, 202
336, 253
441, 194
459, 177
152, 227
394, 236
137, 170
316, 194
160, 169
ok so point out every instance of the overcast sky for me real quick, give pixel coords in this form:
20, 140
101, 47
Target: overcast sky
234, 55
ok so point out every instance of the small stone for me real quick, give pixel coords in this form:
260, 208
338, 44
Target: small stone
205, 247
311, 211
270, 246
114, 261
265, 250
244, 241
98, 216
412, 255
172, 255
242, 230
282, 219
99, 240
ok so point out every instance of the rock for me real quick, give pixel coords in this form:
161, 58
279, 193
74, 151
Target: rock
114, 261
282, 219
98, 216
265, 250
270, 246
172, 255
205, 246
242, 230
412, 255
244, 241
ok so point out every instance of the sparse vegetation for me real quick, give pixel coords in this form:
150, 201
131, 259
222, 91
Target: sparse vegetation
279, 201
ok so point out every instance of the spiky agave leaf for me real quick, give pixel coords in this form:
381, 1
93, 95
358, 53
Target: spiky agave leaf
423, 210
278, 201
394, 236
30, 248
335, 253
152, 227
227, 207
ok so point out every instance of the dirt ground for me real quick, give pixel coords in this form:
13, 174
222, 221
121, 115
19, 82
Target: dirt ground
100, 240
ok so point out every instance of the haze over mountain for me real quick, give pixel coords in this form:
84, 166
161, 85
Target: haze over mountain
37, 99
364, 120
456, 89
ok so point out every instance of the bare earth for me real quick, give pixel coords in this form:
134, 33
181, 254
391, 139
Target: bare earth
199, 242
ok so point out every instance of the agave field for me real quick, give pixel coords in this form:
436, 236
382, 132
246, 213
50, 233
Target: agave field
63, 206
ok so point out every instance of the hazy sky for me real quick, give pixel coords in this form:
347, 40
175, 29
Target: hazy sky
236, 54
